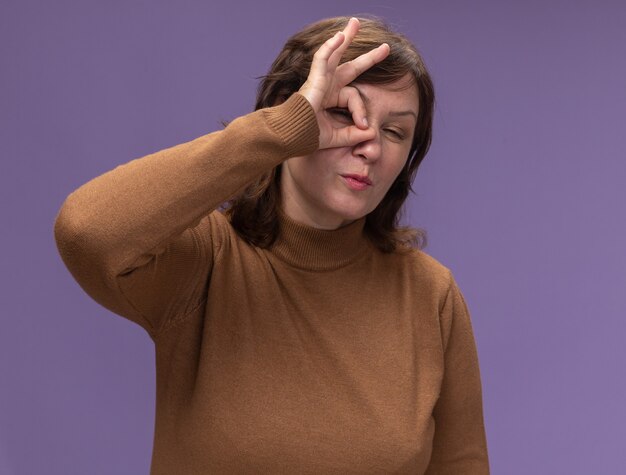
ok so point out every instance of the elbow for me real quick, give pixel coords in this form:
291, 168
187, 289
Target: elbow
74, 239
68, 231
80, 247
63, 228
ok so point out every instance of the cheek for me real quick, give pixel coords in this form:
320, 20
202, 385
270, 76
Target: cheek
396, 164
318, 166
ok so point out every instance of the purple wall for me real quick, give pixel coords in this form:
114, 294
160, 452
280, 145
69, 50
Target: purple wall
522, 194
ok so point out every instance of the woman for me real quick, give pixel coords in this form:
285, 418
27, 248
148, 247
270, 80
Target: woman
300, 332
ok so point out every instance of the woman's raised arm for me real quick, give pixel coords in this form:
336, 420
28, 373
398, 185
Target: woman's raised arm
138, 239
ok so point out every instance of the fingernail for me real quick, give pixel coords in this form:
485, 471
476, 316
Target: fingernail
365, 121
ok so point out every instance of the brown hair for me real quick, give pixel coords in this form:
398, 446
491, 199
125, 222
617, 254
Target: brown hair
254, 213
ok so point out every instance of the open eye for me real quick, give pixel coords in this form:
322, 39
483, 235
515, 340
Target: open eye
341, 114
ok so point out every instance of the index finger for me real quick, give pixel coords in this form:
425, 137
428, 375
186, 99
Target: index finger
349, 71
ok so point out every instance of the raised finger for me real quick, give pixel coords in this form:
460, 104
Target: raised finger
348, 72
329, 46
349, 32
319, 64
316, 84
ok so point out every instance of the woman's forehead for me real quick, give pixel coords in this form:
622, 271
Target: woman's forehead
402, 93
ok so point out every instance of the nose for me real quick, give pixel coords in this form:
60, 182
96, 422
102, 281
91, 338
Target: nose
370, 150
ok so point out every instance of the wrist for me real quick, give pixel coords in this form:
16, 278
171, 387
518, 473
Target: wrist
311, 95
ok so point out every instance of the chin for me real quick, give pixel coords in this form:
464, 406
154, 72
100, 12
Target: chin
351, 213
345, 208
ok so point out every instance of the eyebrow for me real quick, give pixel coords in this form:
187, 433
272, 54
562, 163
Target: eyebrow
366, 100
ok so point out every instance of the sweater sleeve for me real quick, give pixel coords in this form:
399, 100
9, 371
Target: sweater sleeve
459, 444
139, 239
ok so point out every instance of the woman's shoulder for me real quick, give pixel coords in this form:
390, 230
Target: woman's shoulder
425, 269
219, 228
223, 236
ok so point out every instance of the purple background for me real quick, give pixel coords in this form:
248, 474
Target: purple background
522, 195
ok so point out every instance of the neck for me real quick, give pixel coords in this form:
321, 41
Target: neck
313, 248
308, 217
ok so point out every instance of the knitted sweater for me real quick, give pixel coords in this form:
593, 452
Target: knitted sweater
318, 355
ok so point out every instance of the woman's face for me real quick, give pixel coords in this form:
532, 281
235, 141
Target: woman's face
333, 187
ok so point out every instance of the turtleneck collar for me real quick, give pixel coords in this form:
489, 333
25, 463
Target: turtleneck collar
310, 248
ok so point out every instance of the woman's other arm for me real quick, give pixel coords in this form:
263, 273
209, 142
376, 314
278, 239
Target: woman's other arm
460, 444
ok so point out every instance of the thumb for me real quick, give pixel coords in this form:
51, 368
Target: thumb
350, 136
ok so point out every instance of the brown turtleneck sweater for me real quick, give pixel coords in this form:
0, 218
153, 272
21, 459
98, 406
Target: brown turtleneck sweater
319, 355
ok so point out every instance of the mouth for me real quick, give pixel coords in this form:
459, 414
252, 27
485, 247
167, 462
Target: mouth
357, 182
360, 178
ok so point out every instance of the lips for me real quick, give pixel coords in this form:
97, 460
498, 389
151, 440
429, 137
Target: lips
357, 182
360, 178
